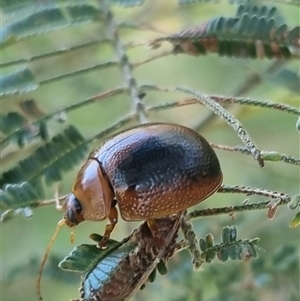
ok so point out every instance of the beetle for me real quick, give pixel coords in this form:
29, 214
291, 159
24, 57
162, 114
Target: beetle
151, 171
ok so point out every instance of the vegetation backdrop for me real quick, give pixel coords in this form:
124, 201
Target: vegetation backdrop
58, 57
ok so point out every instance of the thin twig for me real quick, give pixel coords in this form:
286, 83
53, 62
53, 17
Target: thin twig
96, 67
236, 100
113, 127
142, 27
67, 109
220, 111
282, 198
266, 155
191, 242
257, 103
230, 119
55, 53
133, 89
151, 58
7, 213
255, 191
251, 82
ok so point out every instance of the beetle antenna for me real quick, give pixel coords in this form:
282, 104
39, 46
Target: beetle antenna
72, 237
58, 206
60, 224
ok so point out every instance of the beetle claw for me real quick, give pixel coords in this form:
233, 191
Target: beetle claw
102, 245
108, 229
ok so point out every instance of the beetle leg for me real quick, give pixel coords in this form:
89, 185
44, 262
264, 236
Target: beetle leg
154, 231
113, 219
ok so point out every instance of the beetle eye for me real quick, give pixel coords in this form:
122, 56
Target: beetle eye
73, 211
76, 205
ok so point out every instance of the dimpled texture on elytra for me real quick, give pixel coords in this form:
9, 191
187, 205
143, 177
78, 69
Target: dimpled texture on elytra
159, 169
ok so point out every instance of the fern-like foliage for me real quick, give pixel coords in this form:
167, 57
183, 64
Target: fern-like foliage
253, 33
229, 248
180, 2
14, 120
43, 41
22, 185
292, 2
48, 19
16, 126
128, 3
21, 80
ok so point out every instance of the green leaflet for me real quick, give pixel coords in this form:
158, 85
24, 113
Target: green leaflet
22, 186
229, 248
15, 196
295, 222
127, 3
47, 19
11, 121
19, 81
14, 125
256, 32
181, 2
84, 257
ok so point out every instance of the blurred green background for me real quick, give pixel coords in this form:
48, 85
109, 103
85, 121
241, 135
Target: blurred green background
275, 274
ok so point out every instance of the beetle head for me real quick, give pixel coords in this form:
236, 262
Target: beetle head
73, 211
92, 195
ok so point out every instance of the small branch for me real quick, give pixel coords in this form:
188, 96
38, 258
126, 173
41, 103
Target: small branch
244, 250
191, 242
8, 213
236, 100
112, 31
230, 119
255, 191
66, 109
266, 155
96, 67
151, 58
289, 2
220, 111
257, 103
113, 127
250, 82
142, 27
282, 198
54, 53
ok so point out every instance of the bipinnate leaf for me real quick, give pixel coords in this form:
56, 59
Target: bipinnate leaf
22, 185
127, 3
15, 127
19, 81
48, 19
229, 248
14, 196
251, 34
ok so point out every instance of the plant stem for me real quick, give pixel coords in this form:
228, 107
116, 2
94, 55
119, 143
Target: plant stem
191, 241
90, 100
282, 198
266, 155
237, 100
220, 111
133, 89
54, 53
250, 82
